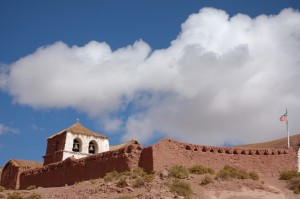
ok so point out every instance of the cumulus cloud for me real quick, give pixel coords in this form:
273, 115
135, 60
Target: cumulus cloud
223, 80
5, 129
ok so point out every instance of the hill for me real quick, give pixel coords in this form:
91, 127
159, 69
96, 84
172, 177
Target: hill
280, 143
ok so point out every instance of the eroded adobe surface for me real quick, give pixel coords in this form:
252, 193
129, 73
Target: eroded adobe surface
74, 170
162, 155
265, 161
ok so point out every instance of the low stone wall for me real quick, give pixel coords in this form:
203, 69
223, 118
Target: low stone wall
74, 170
266, 162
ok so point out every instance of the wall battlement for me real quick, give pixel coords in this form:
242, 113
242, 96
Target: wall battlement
265, 161
161, 155
234, 150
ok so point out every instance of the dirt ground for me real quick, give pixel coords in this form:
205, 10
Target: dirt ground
265, 188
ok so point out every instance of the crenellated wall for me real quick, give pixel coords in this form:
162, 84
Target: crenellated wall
74, 170
168, 152
162, 155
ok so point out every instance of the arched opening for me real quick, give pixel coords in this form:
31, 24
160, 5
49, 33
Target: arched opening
76, 145
93, 147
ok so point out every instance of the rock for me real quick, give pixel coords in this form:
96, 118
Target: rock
164, 174
115, 189
129, 189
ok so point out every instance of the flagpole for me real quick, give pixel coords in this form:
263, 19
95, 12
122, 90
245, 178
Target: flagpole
287, 129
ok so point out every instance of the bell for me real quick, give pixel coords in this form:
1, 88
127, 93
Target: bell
76, 146
91, 148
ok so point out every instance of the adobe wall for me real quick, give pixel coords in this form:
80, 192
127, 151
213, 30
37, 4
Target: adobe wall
266, 162
162, 155
10, 177
55, 147
298, 161
74, 170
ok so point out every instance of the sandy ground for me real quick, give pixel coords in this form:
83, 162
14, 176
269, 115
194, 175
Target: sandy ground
265, 188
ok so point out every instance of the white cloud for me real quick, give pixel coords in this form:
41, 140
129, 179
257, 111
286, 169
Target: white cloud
222, 80
6, 129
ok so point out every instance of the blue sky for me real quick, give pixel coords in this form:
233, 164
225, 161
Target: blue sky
146, 70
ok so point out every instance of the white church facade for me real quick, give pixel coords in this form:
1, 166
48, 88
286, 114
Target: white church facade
76, 141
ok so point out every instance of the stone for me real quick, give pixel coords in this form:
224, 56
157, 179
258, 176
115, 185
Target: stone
164, 174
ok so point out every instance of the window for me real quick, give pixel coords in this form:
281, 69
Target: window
76, 145
93, 147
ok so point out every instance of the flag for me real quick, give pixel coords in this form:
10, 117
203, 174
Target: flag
284, 117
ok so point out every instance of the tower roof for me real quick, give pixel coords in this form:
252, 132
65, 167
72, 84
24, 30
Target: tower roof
78, 128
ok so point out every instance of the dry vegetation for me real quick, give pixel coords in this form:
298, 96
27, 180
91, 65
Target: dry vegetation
229, 172
176, 182
293, 179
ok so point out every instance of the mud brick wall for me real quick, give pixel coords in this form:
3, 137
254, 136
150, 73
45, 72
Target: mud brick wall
74, 170
55, 147
10, 177
162, 155
266, 162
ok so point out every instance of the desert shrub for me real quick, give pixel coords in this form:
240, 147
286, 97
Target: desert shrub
111, 176
181, 188
223, 175
93, 181
229, 172
287, 175
78, 182
179, 172
125, 197
122, 182
138, 172
34, 196
206, 180
253, 175
31, 187
242, 174
294, 184
199, 169
125, 173
138, 182
2, 189
149, 177
15, 195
